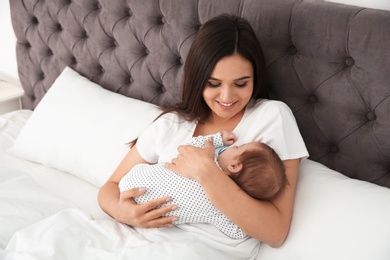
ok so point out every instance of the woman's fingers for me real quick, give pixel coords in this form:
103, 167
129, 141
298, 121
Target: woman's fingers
129, 194
153, 217
155, 203
149, 214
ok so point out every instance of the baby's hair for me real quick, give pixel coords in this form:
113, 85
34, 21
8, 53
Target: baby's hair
263, 175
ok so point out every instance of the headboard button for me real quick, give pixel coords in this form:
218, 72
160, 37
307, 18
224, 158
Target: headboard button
129, 12
293, 50
312, 99
334, 149
371, 116
34, 20
349, 61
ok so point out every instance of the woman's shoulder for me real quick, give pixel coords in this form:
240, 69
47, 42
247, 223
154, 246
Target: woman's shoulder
173, 121
269, 106
169, 118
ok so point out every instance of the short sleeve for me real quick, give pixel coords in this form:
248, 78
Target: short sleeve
151, 141
159, 142
283, 134
272, 122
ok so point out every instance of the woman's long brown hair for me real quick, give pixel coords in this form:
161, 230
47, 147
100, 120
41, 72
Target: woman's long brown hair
219, 37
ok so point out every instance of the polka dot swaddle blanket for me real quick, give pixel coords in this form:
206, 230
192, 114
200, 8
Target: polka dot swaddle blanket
188, 194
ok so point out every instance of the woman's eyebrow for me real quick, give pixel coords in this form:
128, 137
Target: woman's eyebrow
242, 78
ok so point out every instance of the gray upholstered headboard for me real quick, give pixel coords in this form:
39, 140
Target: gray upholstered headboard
329, 62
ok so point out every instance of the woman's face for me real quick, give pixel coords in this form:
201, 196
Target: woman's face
229, 87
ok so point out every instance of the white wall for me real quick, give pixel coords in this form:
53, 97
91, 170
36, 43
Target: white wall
8, 67
377, 4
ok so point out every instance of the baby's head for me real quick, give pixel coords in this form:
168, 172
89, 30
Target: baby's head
256, 168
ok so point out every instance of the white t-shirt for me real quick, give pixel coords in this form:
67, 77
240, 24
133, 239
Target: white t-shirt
268, 121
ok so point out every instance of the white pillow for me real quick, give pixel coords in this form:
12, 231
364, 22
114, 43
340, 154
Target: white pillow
336, 218
83, 129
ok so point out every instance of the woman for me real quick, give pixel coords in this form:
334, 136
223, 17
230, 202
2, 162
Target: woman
224, 89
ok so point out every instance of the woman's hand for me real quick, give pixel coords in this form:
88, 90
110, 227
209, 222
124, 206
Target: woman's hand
144, 215
191, 162
122, 206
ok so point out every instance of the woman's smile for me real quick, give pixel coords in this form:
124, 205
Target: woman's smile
227, 106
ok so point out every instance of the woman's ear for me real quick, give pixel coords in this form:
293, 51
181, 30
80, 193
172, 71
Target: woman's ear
235, 167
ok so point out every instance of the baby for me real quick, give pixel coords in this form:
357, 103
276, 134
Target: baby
254, 166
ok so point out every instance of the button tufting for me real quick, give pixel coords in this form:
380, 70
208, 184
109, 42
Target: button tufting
334, 149
349, 61
147, 52
130, 13
131, 80
312, 99
34, 20
371, 116
163, 20
293, 50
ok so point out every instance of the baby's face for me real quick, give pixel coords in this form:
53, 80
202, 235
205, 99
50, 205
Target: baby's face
233, 152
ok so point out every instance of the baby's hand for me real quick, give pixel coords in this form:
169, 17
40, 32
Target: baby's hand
228, 138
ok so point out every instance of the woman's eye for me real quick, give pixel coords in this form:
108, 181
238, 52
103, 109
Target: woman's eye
213, 84
241, 84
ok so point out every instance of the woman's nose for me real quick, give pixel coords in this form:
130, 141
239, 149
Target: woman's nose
226, 93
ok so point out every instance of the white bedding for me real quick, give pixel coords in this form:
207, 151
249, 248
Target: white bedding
49, 214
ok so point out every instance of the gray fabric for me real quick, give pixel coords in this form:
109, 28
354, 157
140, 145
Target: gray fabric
329, 62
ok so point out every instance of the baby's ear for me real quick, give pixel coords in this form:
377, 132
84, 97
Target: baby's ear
235, 167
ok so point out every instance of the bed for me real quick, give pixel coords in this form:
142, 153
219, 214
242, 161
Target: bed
94, 74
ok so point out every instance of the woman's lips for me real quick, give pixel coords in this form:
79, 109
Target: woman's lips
226, 106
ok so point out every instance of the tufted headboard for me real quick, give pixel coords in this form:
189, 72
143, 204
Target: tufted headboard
329, 62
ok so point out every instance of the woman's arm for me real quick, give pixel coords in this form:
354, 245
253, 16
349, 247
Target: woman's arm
266, 221
123, 208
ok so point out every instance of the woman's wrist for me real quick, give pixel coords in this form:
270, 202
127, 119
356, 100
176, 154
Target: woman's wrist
207, 169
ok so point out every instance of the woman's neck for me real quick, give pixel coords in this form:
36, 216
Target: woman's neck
216, 124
